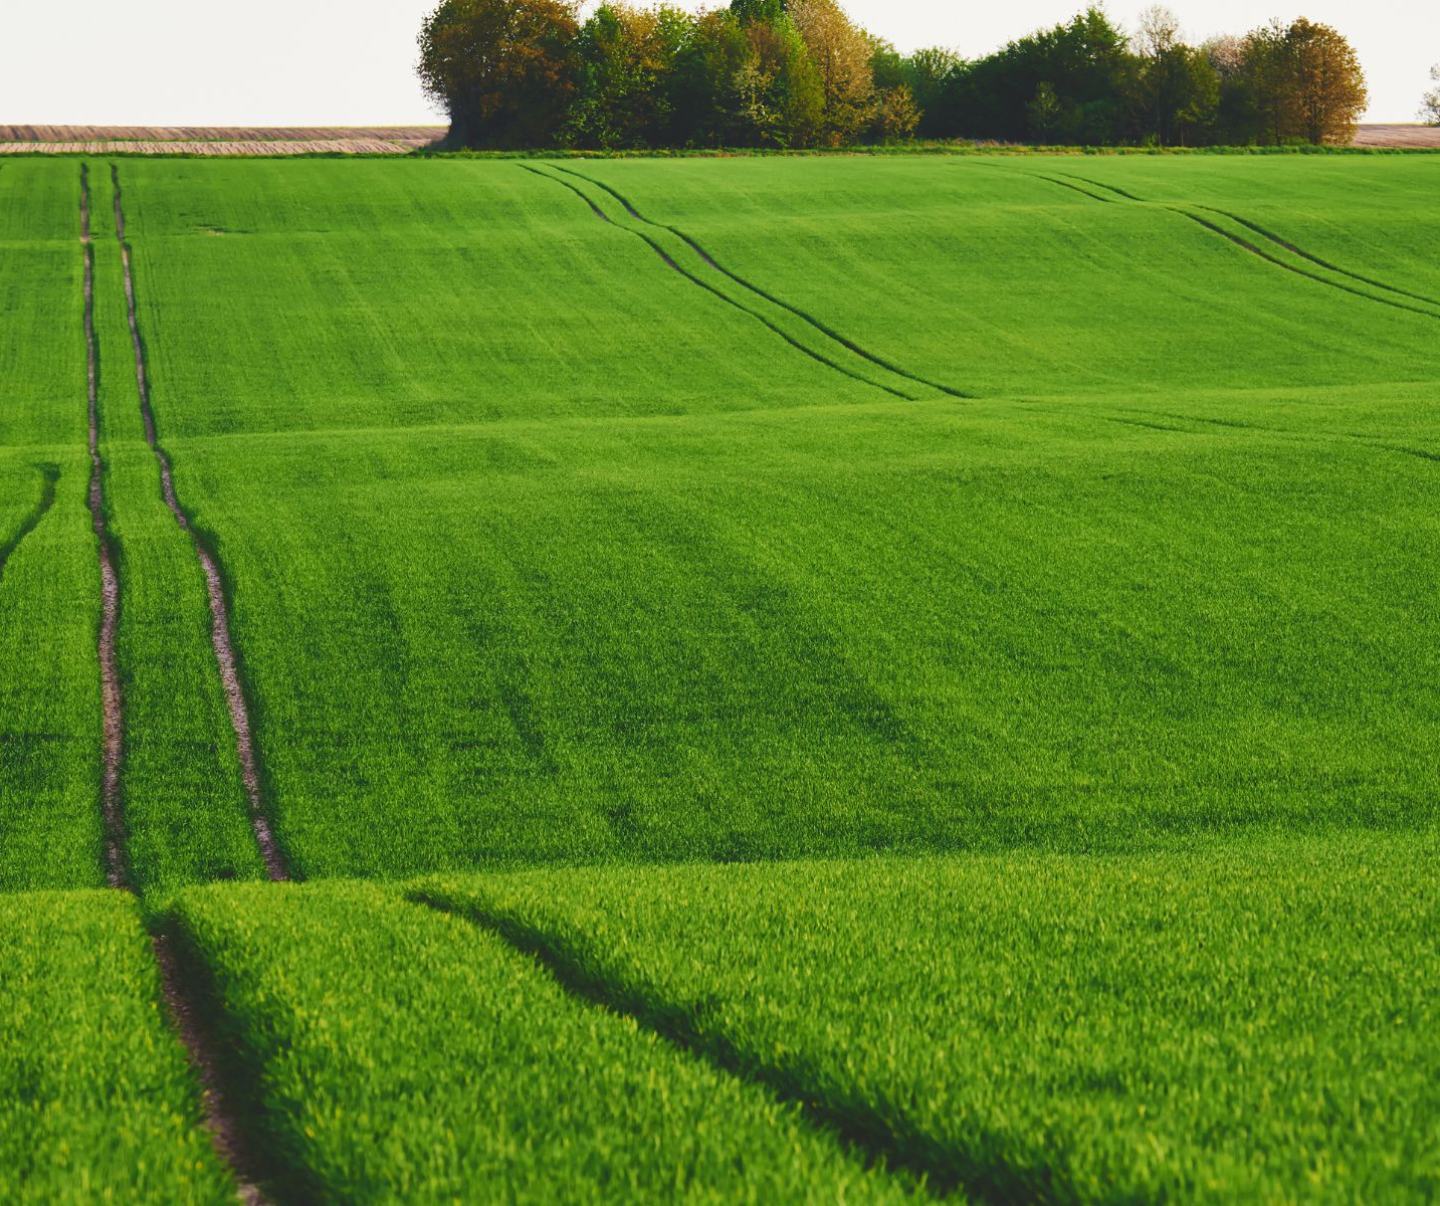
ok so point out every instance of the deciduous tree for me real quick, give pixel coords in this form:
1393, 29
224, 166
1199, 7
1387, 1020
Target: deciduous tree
1325, 89
502, 69
1430, 102
842, 53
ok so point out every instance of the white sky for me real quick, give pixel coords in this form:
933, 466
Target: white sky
350, 62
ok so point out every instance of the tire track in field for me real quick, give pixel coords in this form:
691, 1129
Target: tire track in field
112, 704
276, 864
1294, 249
49, 476
194, 1015
709, 288
874, 1135
824, 329
1270, 257
180, 1001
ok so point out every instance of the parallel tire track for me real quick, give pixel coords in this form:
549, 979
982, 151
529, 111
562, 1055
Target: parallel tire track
825, 329
1269, 236
1311, 276
1315, 259
117, 870
220, 1117
709, 288
276, 865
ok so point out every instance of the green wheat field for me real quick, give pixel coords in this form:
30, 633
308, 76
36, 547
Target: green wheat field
770, 679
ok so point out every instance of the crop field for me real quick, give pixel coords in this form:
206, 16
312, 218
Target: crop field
827, 678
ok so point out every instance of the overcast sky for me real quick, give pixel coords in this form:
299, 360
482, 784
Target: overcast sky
333, 62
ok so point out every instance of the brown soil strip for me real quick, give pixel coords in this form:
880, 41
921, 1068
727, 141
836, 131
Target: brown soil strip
276, 866
117, 871
349, 146
73, 134
202, 1045
1397, 135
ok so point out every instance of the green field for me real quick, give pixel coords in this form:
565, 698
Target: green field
1025, 566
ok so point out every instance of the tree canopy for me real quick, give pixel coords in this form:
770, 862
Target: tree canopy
801, 73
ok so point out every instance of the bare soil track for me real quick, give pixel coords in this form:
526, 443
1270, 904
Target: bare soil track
276, 866
117, 872
196, 1029
199, 1041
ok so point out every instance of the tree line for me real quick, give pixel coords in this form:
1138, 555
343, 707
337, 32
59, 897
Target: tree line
801, 73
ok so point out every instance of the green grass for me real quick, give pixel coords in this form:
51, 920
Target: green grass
562, 628
49, 679
408, 1056
183, 801
96, 1100
1250, 1024
1065, 525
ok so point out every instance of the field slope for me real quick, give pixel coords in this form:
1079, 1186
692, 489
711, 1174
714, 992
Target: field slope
1023, 568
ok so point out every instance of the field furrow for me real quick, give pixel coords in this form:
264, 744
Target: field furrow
117, 869
709, 261
226, 658
668, 256
389, 1052
1045, 1028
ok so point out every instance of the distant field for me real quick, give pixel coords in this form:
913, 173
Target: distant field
1398, 136
1025, 568
217, 140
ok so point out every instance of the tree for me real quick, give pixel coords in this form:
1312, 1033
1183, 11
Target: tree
782, 99
933, 76
843, 56
624, 57
501, 68
1087, 68
1324, 83
1177, 88
1430, 102
896, 114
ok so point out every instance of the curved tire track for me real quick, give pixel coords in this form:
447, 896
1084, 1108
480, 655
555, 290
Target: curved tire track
1269, 236
276, 865
49, 476
829, 332
709, 288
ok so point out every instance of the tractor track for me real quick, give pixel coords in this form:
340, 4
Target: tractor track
112, 705
49, 476
276, 865
823, 328
1267, 235
711, 289
221, 1120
